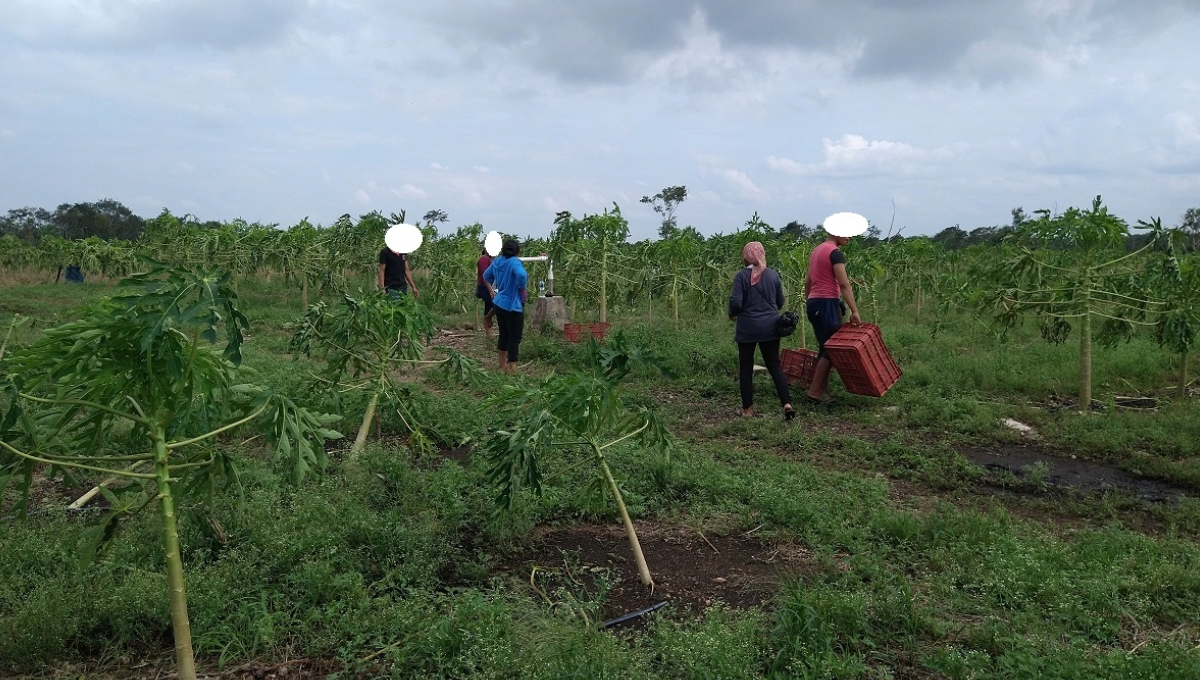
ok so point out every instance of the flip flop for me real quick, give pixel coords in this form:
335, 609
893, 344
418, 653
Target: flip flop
789, 413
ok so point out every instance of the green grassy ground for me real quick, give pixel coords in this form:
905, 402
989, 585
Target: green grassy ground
920, 565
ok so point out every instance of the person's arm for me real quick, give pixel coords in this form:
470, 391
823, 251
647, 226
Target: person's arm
736, 299
839, 270
408, 277
522, 282
807, 284
381, 276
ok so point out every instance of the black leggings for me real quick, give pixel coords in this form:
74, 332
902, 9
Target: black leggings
770, 355
511, 325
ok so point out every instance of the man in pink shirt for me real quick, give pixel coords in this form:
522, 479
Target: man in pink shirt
826, 288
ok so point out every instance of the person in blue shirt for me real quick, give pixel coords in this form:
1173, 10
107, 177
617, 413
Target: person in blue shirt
506, 275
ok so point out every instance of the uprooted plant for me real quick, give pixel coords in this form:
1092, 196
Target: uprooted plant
584, 411
142, 365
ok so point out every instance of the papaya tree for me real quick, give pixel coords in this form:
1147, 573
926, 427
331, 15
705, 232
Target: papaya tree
1177, 283
588, 253
299, 254
583, 411
363, 342
674, 262
1071, 270
141, 366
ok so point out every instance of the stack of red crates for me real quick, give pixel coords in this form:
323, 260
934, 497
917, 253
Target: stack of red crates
799, 365
573, 332
862, 360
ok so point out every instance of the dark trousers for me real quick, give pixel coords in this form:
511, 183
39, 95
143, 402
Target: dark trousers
770, 356
511, 325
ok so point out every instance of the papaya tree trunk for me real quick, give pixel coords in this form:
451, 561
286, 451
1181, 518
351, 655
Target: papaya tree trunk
920, 299
185, 662
604, 286
675, 299
304, 294
1181, 387
360, 442
638, 556
1085, 356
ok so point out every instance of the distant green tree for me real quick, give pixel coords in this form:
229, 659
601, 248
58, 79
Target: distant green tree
106, 219
26, 223
1189, 226
951, 238
665, 203
798, 230
1019, 217
432, 219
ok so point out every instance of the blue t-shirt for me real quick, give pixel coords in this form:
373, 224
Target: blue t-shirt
507, 275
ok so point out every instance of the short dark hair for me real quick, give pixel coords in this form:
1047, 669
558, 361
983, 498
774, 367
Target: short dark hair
511, 248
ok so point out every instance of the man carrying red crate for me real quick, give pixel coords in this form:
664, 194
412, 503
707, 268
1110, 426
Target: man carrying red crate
828, 291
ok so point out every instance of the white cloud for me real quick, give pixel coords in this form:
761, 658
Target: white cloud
6, 133
481, 168
786, 165
410, 191
740, 181
830, 195
362, 196
551, 205
438, 166
856, 156
1187, 133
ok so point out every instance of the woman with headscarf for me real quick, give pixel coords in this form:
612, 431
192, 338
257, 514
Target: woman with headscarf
754, 304
507, 275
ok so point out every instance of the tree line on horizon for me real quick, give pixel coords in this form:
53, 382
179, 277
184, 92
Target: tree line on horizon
109, 220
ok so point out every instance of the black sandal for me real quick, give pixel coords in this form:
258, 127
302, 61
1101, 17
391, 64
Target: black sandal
788, 413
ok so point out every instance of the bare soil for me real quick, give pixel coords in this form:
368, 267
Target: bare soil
691, 570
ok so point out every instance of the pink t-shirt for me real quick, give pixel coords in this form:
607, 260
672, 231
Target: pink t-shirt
820, 270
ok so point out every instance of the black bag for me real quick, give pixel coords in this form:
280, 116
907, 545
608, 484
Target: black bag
786, 325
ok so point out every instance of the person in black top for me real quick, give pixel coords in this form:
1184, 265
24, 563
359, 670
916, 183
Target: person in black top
394, 274
754, 303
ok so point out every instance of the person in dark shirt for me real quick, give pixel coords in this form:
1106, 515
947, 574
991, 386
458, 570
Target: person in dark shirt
484, 292
754, 303
394, 274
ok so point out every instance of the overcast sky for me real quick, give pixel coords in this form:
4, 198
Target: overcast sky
945, 111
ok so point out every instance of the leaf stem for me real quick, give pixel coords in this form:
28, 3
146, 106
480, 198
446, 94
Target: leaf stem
80, 466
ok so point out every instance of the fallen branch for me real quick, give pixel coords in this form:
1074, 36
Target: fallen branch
87, 497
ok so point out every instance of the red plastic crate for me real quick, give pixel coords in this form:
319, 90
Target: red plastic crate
573, 332
599, 330
862, 360
799, 364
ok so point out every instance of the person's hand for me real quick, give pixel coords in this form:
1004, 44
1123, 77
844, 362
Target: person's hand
855, 319
416, 293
